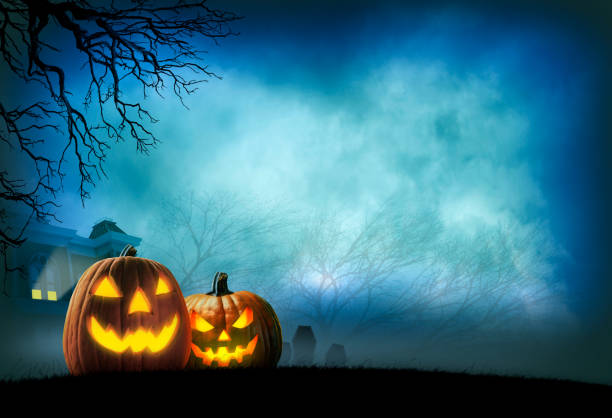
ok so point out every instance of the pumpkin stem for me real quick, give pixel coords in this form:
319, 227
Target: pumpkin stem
219, 285
128, 251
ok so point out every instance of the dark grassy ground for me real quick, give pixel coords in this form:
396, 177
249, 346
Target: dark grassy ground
304, 384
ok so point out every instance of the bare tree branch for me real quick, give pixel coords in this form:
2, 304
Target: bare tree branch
151, 44
202, 234
342, 268
408, 273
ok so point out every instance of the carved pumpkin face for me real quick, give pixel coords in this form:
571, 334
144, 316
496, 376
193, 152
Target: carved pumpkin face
232, 329
126, 313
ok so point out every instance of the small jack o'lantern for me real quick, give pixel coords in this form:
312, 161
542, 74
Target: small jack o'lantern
232, 329
126, 314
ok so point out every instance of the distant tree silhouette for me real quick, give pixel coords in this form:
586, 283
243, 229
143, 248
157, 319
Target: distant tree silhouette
406, 272
339, 268
201, 234
147, 44
487, 282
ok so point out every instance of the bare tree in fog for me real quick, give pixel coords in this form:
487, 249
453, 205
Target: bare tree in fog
491, 281
397, 270
405, 272
200, 235
341, 270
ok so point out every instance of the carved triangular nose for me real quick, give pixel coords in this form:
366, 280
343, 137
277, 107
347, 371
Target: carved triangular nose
224, 336
139, 303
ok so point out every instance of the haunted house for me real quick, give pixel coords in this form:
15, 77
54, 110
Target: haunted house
52, 260
50, 263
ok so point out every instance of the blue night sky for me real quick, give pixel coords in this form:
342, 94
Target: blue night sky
485, 116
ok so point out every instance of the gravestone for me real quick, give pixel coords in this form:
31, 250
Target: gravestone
336, 356
304, 343
285, 359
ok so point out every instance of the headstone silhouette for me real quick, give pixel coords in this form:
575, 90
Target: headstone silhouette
304, 343
336, 356
285, 359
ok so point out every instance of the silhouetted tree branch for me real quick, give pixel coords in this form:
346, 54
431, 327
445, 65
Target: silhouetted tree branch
201, 234
152, 45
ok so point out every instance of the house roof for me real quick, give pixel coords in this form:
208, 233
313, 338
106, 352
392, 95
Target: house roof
103, 227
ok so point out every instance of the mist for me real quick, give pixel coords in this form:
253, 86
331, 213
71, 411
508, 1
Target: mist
427, 159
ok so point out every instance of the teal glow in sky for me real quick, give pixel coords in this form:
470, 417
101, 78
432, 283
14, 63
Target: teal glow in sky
454, 109
481, 117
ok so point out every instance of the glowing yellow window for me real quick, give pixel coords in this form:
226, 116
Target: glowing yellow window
36, 294
52, 295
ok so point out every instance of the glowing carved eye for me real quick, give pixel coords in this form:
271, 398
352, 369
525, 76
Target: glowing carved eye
199, 323
162, 287
107, 288
245, 319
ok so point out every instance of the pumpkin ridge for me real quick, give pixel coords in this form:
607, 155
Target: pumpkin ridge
101, 266
253, 302
274, 325
71, 330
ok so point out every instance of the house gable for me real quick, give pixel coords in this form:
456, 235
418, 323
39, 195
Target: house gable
53, 259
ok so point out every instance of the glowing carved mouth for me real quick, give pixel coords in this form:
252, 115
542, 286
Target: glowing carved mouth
222, 356
136, 341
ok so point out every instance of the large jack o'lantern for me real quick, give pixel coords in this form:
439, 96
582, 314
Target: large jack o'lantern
232, 329
126, 314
